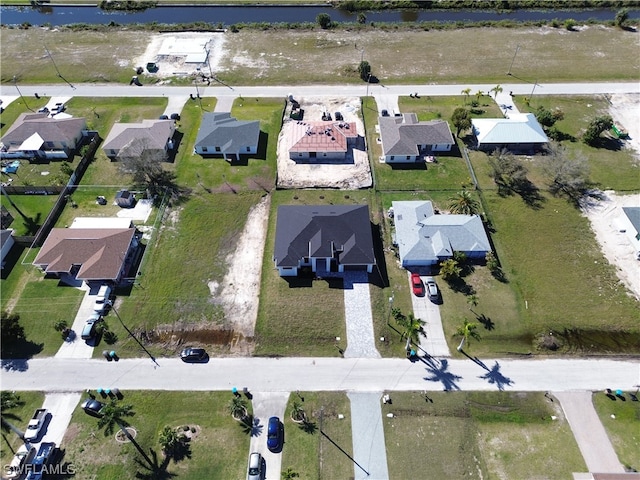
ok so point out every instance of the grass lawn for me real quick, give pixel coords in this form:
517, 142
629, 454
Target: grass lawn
219, 451
621, 420
310, 453
34, 208
19, 417
478, 435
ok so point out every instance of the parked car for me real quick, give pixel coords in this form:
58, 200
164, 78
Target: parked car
23, 457
385, 113
416, 285
339, 116
432, 288
194, 355
175, 116
255, 467
34, 429
92, 407
102, 299
89, 329
43, 110
275, 435
163, 117
59, 107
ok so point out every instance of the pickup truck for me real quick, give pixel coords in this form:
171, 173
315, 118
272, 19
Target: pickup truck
43, 458
35, 424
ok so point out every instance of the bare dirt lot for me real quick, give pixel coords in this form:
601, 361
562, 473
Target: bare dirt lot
349, 176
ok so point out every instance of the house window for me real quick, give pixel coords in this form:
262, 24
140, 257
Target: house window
204, 149
324, 154
392, 157
248, 149
408, 157
218, 149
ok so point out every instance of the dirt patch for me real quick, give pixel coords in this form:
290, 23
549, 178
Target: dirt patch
354, 174
625, 111
606, 217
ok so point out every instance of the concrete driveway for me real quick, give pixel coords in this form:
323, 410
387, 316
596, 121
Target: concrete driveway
265, 405
435, 343
61, 407
79, 348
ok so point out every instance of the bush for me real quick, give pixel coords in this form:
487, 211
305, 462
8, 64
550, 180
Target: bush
324, 20
570, 24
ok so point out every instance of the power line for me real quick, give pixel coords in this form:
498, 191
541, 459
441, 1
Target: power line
56, 67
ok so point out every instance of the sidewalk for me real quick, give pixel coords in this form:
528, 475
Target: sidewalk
589, 433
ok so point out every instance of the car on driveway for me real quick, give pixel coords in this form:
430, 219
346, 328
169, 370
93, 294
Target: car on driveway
92, 407
432, 288
275, 435
102, 299
175, 116
416, 285
194, 355
255, 467
89, 329
385, 113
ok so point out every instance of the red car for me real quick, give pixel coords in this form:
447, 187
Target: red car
417, 285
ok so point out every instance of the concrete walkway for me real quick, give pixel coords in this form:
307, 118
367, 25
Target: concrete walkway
589, 433
505, 102
367, 432
434, 342
358, 317
266, 405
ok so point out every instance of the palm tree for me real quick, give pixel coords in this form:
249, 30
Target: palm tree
169, 440
9, 400
289, 474
467, 331
472, 301
479, 93
238, 408
412, 328
464, 204
466, 93
496, 90
450, 270
113, 414
297, 413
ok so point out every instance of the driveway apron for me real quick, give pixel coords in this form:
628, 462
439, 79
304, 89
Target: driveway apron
61, 407
359, 320
434, 343
78, 348
267, 405
367, 431
589, 433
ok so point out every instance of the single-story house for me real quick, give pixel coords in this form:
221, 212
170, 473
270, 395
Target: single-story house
6, 242
321, 141
425, 238
331, 238
89, 254
222, 134
630, 224
153, 137
405, 139
101, 222
521, 132
36, 136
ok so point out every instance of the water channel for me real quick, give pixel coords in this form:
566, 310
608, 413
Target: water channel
229, 15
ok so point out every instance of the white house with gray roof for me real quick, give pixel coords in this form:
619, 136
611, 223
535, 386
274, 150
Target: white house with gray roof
154, 137
405, 139
521, 132
425, 238
221, 134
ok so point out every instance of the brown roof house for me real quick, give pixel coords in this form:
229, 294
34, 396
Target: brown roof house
323, 238
322, 141
130, 140
405, 139
89, 254
37, 136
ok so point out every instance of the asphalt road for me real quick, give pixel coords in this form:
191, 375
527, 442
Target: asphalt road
322, 374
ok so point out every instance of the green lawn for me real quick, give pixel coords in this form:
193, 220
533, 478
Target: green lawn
19, 418
307, 451
478, 435
219, 450
621, 420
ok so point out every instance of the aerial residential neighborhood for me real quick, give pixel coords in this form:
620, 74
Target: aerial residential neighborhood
378, 242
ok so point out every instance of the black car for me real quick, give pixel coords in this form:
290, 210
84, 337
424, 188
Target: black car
163, 117
275, 435
385, 113
175, 116
92, 407
339, 116
194, 355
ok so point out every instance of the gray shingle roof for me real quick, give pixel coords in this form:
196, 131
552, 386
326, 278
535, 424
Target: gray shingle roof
402, 135
50, 129
222, 130
154, 133
633, 214
319, 230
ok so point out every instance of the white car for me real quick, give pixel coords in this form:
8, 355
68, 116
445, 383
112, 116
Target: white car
432, 288
102, 299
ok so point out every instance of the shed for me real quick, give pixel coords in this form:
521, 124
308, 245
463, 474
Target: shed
125, 199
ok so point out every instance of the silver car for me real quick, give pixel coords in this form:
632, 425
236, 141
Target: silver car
432, 288
255, 467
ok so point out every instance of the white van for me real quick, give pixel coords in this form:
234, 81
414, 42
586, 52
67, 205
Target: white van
102, 298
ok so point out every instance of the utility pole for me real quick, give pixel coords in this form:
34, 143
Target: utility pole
15, 82
513, 59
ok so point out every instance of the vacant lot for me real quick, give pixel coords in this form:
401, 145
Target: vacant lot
253, 57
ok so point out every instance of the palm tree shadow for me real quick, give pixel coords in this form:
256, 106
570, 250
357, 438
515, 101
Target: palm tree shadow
494, 376
155, 471
251, 426
439, 373
308, 427
486, 322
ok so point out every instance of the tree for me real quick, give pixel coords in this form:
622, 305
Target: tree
170, 441
412, 327
496, 90
494, 266
479, 94
467, 331
289, 474
507, 171
567, 177
463, 204
546, 117
461, 119
297, 413
472, 301
10, 329
324, 20
364, 69
450, 270
466, 93
114, 414
621, 17
238, 408
595, 128
8, 401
